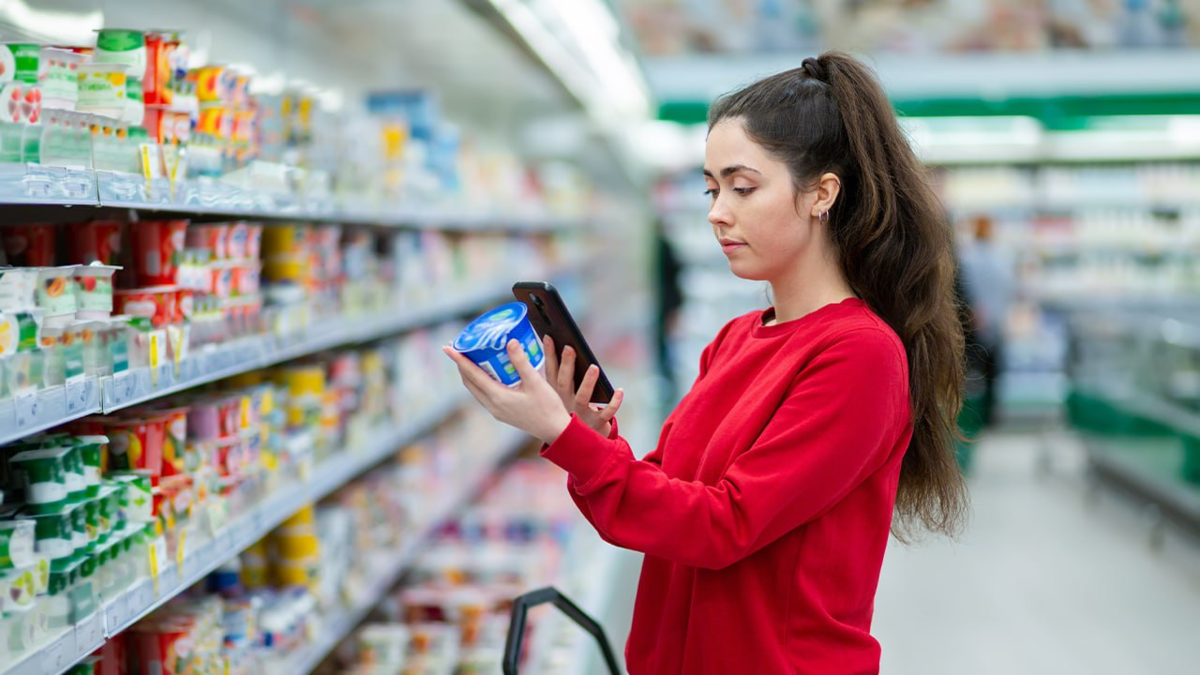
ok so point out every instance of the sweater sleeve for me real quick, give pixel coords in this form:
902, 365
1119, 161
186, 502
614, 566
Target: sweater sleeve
843, 414
655, 456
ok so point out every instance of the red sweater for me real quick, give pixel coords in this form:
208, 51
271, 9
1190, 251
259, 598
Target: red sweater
766, 507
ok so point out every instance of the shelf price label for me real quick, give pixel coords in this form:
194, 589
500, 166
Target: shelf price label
79, 394
59, 655
115, 614
89, 633
27, 405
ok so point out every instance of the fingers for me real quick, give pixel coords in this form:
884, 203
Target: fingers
551, 358
516, 354
584, 396
566, 373
472, 375
610, 411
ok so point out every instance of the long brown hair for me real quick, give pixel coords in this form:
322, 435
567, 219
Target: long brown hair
894, 243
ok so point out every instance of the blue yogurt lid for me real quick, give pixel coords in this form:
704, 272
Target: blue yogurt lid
491, 329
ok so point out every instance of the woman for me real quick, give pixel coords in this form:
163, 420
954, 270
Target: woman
765, 510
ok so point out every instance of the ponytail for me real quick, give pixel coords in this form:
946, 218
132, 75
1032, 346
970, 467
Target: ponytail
895, 247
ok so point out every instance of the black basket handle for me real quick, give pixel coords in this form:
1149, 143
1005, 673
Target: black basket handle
516, 627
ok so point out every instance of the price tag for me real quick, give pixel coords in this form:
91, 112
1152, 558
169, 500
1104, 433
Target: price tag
79, 395
142, 598
89, 634
115, 614
27, 405
181, 549
59, 655
123, 387
165, 375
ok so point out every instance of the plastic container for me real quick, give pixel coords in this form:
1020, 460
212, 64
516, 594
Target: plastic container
54, 534
485, 341
19, 62
94, 288
76, 476
157, 247
56, 295
122, 46
95, 241
159, 304
31, 244
91, 453
136, 443
18, 288
102, 89
59, 77
138, 499
17, 541
44, 479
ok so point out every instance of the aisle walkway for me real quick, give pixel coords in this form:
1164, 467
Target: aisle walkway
1045, 581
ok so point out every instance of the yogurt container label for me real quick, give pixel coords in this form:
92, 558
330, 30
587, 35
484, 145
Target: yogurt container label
484, 341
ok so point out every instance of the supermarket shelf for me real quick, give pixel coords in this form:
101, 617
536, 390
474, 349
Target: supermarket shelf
343, 623
29, 414
1122, 470
139, 600
46, 193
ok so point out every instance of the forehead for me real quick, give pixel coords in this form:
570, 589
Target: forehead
729, 145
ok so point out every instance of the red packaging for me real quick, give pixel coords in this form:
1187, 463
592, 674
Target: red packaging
136, 443
184, 305
230, 456
158, 69
157, 246
95, 241
246, 279
112, 656
237, 240
166, 125
163, 649
229, 416
32, 245
253, 241
160, 304
175, 427
222, 281
210, 237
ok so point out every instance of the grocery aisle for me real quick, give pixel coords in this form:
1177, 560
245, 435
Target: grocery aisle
1049, 578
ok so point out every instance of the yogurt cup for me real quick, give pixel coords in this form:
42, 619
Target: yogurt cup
102, 89
157, 247
94, 241
122, 45
31, 245
156, 303
18, 288
484, 342
17, 543
139, 495
94, 288
76, 477
56, 295
58, 73
19, 332
54, 534
44, 478
19, 62
91, 452
136, 443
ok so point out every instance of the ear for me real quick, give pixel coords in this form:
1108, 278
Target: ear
829, 186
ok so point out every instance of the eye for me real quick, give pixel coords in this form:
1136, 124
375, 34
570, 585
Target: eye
710, 192
743, 191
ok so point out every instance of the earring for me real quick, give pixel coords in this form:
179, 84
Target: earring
824, 217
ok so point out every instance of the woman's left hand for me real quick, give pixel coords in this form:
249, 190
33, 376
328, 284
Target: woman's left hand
532, 406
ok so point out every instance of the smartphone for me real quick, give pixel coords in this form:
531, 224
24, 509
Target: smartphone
550, 316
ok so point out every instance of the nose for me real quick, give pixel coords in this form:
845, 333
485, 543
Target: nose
718, 214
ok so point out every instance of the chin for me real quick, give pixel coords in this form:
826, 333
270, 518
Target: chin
748, 272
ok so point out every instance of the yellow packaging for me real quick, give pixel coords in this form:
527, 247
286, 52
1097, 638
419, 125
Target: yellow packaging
294, 548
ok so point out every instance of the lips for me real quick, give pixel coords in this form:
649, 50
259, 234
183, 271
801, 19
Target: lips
729, 245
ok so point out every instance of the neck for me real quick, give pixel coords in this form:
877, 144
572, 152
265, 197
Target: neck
809, 286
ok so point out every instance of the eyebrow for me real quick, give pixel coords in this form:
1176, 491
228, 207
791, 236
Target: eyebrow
730, 170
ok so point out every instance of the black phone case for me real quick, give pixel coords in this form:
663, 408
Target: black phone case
550, 316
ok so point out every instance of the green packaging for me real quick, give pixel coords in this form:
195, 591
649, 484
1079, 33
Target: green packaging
19, 62
44, 478
54, 534
91, 511
76, 475
16, 543
91, 451
139, 495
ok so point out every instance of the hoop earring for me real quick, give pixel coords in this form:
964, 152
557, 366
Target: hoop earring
824, 217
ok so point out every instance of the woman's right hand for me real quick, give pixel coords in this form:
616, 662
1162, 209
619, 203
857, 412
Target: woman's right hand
562, 377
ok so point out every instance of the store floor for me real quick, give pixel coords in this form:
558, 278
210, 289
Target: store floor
1051, 577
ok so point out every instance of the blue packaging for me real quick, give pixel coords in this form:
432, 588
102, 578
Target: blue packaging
484, 339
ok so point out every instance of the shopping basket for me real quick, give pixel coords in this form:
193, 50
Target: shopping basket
542, 596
